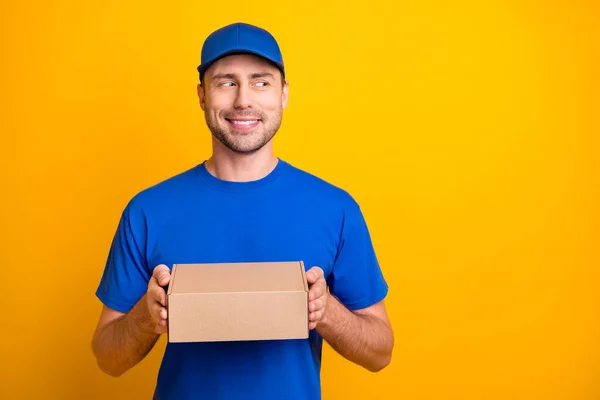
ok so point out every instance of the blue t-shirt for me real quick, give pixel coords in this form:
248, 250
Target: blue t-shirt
289, 215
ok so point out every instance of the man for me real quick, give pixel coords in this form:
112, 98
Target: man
243, 204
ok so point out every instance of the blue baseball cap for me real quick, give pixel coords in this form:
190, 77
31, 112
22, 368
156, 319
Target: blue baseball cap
240, 38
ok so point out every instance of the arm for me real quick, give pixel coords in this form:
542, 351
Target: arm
347, 307
122, 340
364, 336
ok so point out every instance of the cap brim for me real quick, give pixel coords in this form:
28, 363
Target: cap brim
203, 67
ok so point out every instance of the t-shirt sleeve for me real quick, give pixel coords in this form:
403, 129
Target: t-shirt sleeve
125, 277
356, 278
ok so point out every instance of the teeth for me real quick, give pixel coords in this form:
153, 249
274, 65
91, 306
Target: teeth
244, 122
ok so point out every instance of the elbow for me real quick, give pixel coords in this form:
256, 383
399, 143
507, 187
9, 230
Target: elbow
384, 358
109, 367
110, 370
106, 363
380, 363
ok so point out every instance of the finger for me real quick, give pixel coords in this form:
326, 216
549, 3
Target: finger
312, 325
162, 274
315, 316
313, 274
318, 289
157, 293
316, 304
157, 312
156, 303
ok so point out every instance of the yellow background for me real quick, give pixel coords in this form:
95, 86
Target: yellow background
467, 130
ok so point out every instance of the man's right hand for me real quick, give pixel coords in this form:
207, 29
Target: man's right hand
156, 297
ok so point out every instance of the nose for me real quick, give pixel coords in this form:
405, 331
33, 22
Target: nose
243, 97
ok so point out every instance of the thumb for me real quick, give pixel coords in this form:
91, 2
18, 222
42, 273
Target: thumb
313, 274
162, 274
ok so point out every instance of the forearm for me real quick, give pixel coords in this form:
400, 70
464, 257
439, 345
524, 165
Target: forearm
362, 339
125, 341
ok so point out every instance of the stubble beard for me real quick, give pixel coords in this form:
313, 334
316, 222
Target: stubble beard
241, 142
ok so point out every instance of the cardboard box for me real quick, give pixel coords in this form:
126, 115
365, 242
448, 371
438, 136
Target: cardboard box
237, 301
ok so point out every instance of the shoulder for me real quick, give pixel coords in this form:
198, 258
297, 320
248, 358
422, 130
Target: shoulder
321, 190
163, 195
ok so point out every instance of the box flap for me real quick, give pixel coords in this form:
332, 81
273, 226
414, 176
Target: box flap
237, 277
303, 272
170, 287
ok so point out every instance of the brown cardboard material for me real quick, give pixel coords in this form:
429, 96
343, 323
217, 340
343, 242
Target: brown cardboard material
237, 301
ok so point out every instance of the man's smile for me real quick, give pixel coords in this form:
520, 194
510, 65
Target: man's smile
243, 123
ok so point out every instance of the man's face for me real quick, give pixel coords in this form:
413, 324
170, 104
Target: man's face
243, 98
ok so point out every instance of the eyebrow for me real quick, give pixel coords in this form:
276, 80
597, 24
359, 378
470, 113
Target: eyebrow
223, 76
252, 76
262, 75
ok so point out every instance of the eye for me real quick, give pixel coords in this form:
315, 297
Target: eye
262, 83
227, 83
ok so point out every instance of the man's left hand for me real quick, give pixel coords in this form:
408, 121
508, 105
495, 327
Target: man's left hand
317, 296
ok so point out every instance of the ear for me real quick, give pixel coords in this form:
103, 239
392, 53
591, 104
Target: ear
201, 96
285, 95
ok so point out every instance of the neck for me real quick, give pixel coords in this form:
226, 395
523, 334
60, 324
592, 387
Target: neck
234, 167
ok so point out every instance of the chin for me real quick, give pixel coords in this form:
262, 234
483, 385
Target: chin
241, 146
245, 152
243, 143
